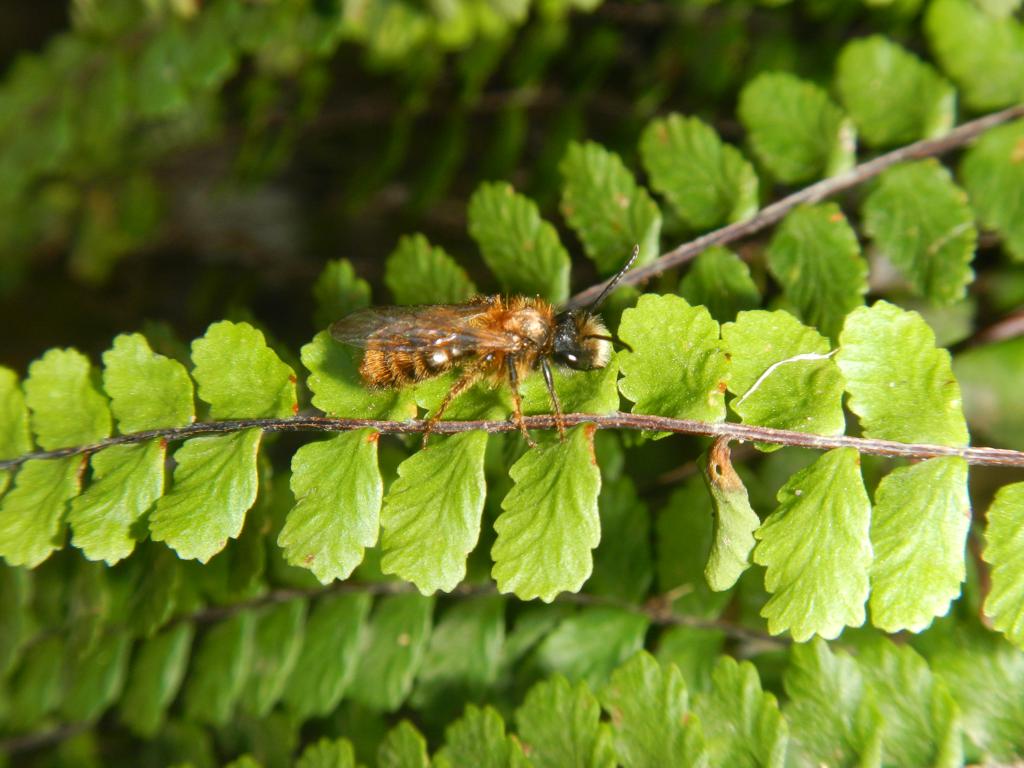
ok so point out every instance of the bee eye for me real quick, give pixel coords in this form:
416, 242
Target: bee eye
571, 358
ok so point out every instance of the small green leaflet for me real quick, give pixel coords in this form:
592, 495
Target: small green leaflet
418, 273
826, 709
721, 281
218, 669
14, 435
708, 182
403, 747
392, 651
983, 55
478, 739
277, 640
215, 483
622, 561
328, 753
158, 667
782, 374
338, 490
146, 390
742, 723
431, 516
607, 209
734, 520
578, 391
338, 389
990, 377
677, 367
816, 549
900, 385
794, 129
329, 654
560, 725
35, 688
893, 97
240, 376
651, 721
1004, 551
67, 408
521, 249
591, 643
549, 523
106, 520
993, 173
32, 513
922, 720
918, 531
921, 221
815, 257
94, 676
337, 292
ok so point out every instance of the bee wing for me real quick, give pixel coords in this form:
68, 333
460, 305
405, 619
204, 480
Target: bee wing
412, 328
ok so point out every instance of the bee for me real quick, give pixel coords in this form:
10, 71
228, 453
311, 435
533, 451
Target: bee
492, 338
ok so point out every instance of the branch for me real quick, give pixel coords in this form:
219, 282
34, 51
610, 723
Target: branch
999, 457
815, 193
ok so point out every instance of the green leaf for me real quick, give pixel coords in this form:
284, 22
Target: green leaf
478, 739
794, 129
1004, 551
328, 753
816, 549
106, 520
983, 55
337, 292
431, 516
95, 677
14, 435
329, 655
560, 725
578, 391
650, 714
67, 408
549, 523
921, 221
815, 257
893, 97
782, 374
828, 722
922, 720
392, 651
989, 376
146, 390
240, 376
742, 723
464, 656
900, 385
158, 667
215, 483
734, 520
32, 513
588, 645
720, 280
708, 182
993, 173
622, 561
338, 390
338, 489
677, 367
918, 530
403, 747
607, 209
418, 273
218, 671
277, 642
35, 688
521, 249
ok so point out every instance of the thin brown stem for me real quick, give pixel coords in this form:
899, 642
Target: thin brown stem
822, 190
999, 457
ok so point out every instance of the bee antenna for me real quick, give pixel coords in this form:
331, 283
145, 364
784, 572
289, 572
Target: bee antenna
615, 279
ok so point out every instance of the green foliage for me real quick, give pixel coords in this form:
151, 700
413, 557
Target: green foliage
419, 273
992, 171
719, 280
1003, 535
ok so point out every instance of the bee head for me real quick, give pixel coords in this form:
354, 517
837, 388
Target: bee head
581, 341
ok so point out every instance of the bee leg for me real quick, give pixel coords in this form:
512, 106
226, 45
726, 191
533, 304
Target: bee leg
468, 379
517, 400
555, 403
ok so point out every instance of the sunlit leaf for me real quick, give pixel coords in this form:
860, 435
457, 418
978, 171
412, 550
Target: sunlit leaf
420, 273
1004, 551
